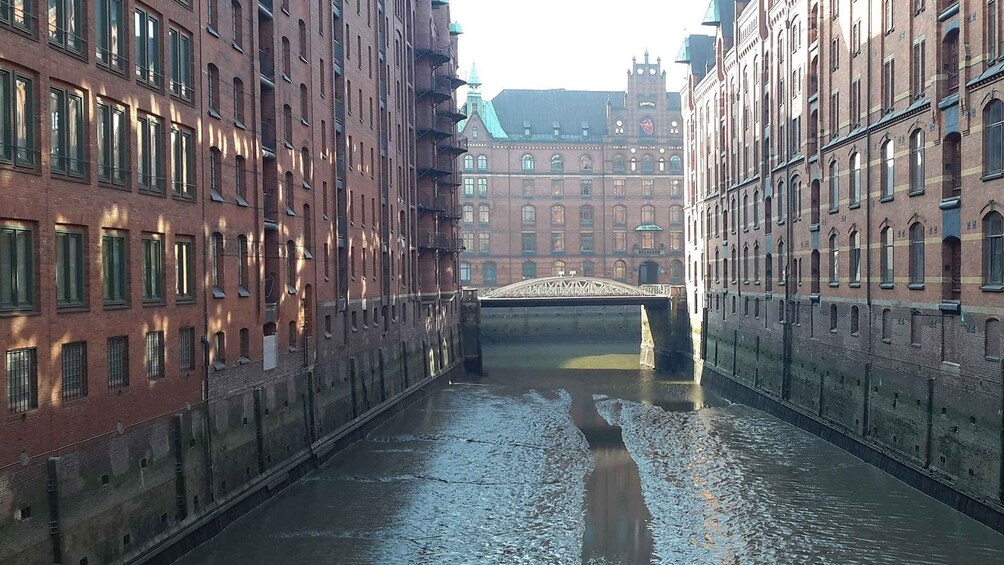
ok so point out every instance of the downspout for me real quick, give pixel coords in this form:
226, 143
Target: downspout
868, 235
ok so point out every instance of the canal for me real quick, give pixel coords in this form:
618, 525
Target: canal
571, 453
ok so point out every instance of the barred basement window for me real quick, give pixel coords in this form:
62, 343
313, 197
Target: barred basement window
186, 348
154, 357
118, 362
22, 380
246, 340
74, 370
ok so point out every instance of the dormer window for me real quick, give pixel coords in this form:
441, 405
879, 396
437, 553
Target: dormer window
557, 128
585, 129
474, 133
526, 127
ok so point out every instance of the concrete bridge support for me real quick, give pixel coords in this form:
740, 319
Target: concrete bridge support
665, 337
470, 332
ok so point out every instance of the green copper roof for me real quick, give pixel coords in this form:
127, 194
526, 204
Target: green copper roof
684, 55
486, 111
455, 29
472, 78
713, 16
648, 227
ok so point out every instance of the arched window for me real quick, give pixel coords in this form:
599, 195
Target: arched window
529, 269
886, 266
854, 268
586, 164
993, 137
756, 262
288, 194
756, 208
216, 172
558, 269
308, 231
833, 317
558, 215
718, 261
620, 270
483, 214
239, 101
888, 169
675, 215
647, 165
287, 125
468, 214
468, 162
304, 102
855, 180
746, 210
528, 162
648, 214
834, 259
746, 264
306, 167
557, 163
917, 178
465, 272
779, 201
675, 165
243, 265
303, 38
662, 164
620, 215
834, 186
482, 163
285, 59
291, 257
993, 249
529, 215
768, 266
213, 89
992, 339
855, 320
219, 351
619, 165
718, 214
634, 164
489, 272
917, 254
217, 253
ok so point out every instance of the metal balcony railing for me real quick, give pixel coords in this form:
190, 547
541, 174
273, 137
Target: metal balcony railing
440, 242
453, 146
267, 65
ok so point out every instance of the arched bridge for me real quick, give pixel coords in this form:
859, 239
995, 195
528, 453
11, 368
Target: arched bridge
573, 291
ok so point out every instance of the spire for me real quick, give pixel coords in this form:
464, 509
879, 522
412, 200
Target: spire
472, 79
646, 56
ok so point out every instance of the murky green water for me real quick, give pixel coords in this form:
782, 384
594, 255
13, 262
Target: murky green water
572, 454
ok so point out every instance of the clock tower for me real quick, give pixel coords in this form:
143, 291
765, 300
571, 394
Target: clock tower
645, 113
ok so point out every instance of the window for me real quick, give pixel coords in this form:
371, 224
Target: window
993, 249
213, 90
917, 255
756, 209
529, 269
110, 34
469, 187
756, 262
219, 351
648, 188
286, 59
114, 266
245, 336
484, 243
465, 272
620, 215
888, 169
854, 270
244, 266
291, 266
915, 329
118, 362
181, 64
918, 69
17, 119
993, 138
111, 139
213, 14
186, 348
304, 101
529, 242
240, 180
22, 380
183, 159
917, 178
184, 270
239, 102
66, 24
648, 214
490, 273
886, 260
302, 39
468, 162
620, 270
834, 260
153, 357
856, 105
993, 27
482, 163
70, 270
468, 214
528, 164
619, 188
557, 188
17, 268
529, 215
586, 216
483, 214
153, 268
586, 164
215, 173
889, 84
557, 164
557, 242
146, 29
586, 243
66, 112
149, 130
588, 269
237, 24
834, 186
620, 241
586, 188
74, 360
558, 215
619, 164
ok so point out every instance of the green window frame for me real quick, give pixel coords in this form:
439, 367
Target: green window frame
66, 144
181, 64
183, 157
146, 30
110, 34
17, 268
74, 364
151, 153
17, 119
66, 25
114, 264
70, 270
113, 164
153, 269
18, 13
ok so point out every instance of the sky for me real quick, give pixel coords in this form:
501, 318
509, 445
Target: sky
571, 44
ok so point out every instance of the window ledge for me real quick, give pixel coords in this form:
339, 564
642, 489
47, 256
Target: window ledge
834, 284
219, 292
214, 113
834, 211
244, 203
886, 285
854, 285
244, 361
913, 193
152, 303
237, 47
212, 31
216, 196
886, 340
992, 176
915, 286
240, 124
992, 288
887, 199
243, 292
290, 289
116, 306
219, 366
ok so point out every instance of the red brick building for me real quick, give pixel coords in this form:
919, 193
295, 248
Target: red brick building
209, 201
844, 163
560, 182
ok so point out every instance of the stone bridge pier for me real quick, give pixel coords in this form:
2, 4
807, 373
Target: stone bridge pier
666, 345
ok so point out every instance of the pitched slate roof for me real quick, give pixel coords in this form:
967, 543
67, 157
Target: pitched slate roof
571, 110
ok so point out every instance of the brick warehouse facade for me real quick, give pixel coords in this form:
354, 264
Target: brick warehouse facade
843, 179
561, 182
215, 251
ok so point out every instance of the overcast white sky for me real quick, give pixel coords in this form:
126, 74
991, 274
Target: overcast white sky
572, 44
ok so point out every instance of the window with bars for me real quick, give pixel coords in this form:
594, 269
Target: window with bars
181, 64
149, 131
70, 272
112, 142
22, 380
18, 13
17, 268
889, 85
74, 358
919, 71
67, 139
146, 29
917, 254
18, 145
154, 355
66, 25
110, 34
886, 265
118, 362
186, 348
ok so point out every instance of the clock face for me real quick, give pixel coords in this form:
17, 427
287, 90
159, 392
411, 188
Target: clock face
647, 127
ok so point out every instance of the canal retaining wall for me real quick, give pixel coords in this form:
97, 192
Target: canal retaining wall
560, 322
937, 430
152, 492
